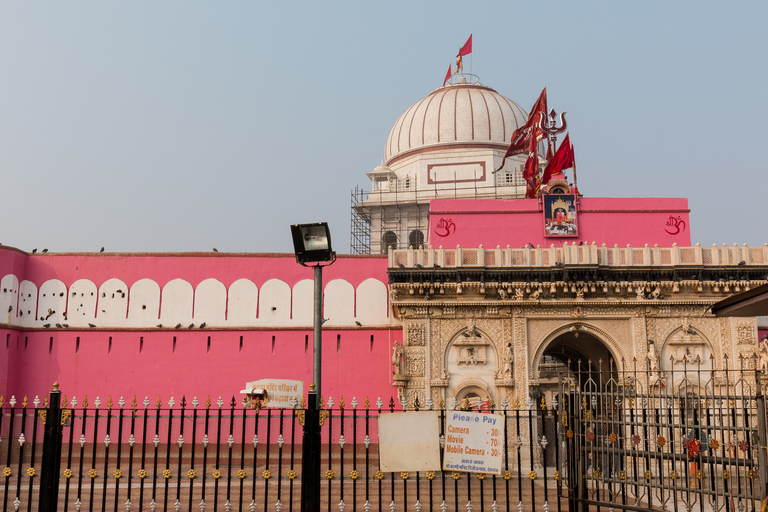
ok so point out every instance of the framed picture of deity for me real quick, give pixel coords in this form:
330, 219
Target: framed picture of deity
560, 215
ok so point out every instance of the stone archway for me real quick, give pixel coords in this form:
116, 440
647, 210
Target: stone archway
575, 349
472, 364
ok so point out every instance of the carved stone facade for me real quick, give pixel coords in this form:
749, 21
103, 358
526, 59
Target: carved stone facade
469, 341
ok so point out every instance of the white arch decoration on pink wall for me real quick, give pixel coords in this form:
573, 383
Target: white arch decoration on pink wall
176, 305
113, 303
242, 303
339, 303
303, 302
81, 303
275, 303
53, 302
27, 304
9, 298
144, 303
210, 302
372, 301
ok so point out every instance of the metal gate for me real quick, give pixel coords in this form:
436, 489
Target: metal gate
691, 438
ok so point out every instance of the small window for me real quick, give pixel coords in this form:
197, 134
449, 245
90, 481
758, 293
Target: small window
389, 239
416, 239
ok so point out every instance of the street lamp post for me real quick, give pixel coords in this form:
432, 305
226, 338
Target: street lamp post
312, 245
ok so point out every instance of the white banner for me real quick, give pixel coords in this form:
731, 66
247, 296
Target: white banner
474, 442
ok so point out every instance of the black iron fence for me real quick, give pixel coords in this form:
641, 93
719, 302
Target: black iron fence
685, 438
692, 439
190, 455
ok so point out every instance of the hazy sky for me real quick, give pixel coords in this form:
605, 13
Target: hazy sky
184, 125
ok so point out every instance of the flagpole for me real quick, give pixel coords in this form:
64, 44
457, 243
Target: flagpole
575, 182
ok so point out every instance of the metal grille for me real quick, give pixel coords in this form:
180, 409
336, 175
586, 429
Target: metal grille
682, 439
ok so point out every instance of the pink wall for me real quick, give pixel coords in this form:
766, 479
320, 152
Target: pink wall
517, 222
32, 359
31, 362
191, 267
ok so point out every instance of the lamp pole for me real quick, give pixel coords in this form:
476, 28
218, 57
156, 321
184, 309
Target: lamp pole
312, 243
310, 450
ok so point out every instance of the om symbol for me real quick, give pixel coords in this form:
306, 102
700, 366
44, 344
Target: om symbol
445, 227
675, 225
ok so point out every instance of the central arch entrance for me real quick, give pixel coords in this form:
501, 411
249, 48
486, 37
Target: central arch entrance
574, 355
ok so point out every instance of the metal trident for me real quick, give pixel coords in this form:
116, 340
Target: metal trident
550, 127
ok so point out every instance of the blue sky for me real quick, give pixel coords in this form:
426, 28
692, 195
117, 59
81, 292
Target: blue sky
180, 126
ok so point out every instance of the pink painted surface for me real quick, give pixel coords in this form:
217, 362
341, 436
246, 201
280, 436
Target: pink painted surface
517, 222
32, 361
191, 267
145, 363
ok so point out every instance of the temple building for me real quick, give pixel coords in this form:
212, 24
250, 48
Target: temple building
459, 288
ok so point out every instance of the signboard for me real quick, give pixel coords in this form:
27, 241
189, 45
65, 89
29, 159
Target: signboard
281, 393
474, 442
560, 215
409, 441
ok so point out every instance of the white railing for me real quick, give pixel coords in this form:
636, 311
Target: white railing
574, 254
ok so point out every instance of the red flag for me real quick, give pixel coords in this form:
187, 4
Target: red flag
519, 142
447, 75
467, 48
563, 159
531, 169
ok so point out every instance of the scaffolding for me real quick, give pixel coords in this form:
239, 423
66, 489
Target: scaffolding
360, 232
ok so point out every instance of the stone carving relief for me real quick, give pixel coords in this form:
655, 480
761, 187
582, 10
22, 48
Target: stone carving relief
416, 335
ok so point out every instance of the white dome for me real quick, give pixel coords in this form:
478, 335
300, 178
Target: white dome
462, 114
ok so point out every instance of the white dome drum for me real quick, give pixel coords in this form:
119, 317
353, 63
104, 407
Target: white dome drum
462, 114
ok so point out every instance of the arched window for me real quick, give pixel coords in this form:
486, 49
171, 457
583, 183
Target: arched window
416, 238
389, 239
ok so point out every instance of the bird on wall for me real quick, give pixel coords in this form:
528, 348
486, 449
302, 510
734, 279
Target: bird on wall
178, 326
102, 249
191, 326
10, 308
358, 323
215, 250
160, 326
91, 325
45, 250
202, 325
34, 250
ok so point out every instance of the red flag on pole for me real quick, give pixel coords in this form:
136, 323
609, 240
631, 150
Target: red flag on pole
562, 160
467, 48
447, 75
531, 169
519, 142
